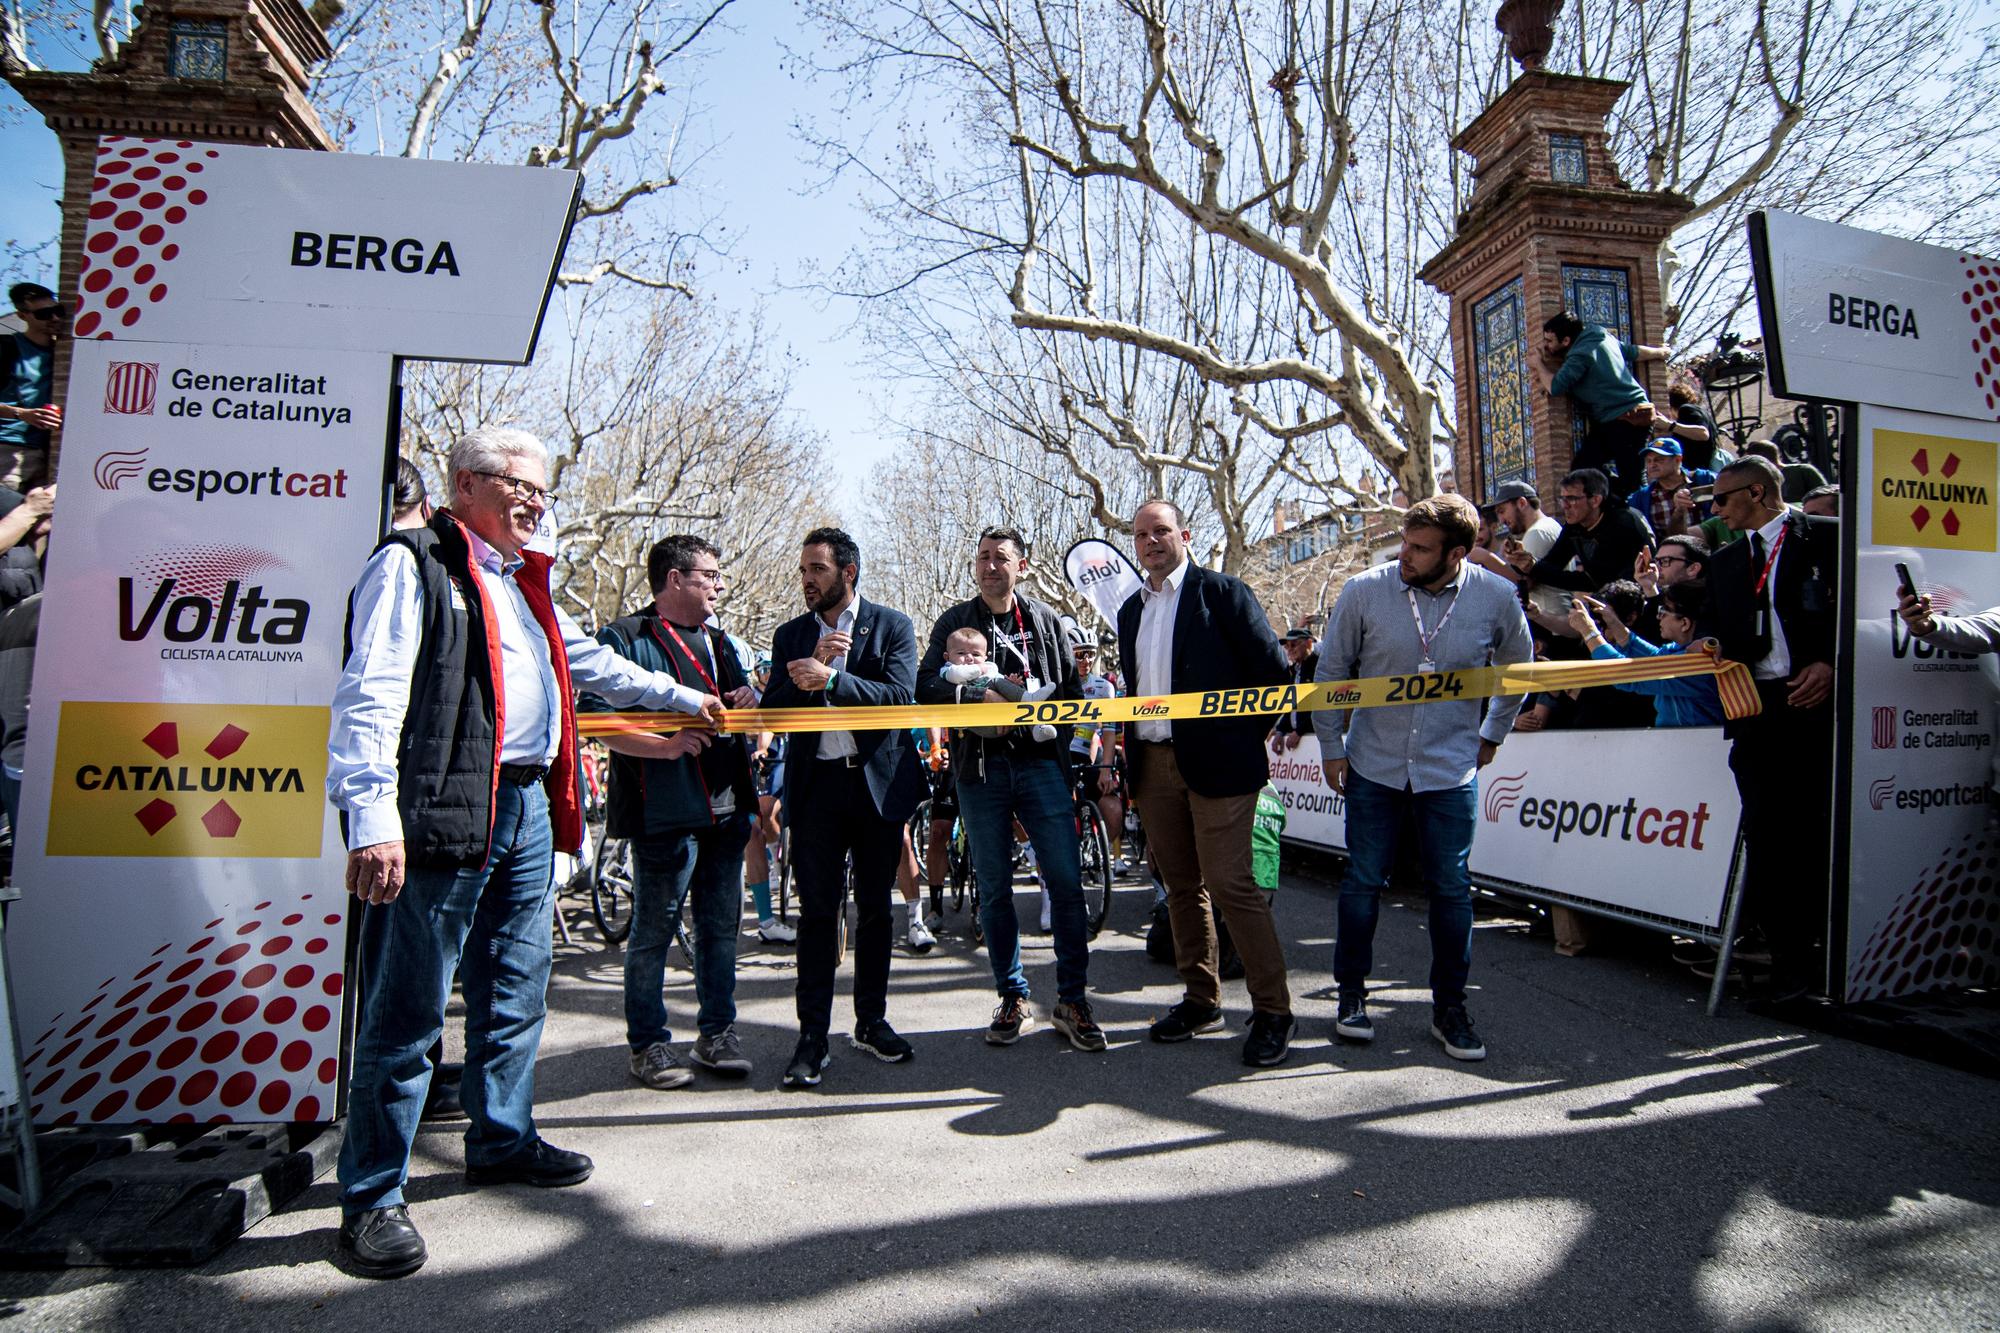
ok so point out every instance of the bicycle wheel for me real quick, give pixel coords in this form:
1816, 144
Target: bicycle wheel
611, 889
1093, 854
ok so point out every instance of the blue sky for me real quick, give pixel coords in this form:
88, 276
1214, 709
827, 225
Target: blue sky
756, 175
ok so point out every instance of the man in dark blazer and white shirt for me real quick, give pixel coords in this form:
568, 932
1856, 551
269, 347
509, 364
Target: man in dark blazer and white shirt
846, 792
1196, 779
1774, 596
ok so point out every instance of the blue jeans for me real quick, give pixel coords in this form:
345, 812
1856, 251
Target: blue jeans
492, 925
707, 863
1035, 793
1444, 821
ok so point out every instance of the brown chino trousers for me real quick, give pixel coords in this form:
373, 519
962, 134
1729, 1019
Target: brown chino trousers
1201, 845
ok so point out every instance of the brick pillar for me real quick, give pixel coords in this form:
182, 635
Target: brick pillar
222, 71
1550, 224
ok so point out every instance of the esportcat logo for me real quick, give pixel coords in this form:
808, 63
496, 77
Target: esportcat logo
1627, 821
1884, 792
118, 466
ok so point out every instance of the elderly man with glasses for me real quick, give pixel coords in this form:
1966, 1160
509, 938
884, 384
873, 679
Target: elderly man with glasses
28, 413
453, 760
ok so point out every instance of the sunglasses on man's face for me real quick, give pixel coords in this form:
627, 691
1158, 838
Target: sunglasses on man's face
48, 314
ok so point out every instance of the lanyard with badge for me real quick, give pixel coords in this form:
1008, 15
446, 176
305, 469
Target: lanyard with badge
1424, 641
1763, 602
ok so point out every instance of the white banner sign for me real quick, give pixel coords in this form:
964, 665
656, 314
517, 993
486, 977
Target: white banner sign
1099, 571
1854, 316
178, 944
1923, 902
267, 247
1643, 821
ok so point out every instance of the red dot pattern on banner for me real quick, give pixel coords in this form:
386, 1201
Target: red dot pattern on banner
1982, 281
140, 194
1943, 932
191, 1037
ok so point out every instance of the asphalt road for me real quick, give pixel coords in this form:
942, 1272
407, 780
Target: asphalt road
1620, 1162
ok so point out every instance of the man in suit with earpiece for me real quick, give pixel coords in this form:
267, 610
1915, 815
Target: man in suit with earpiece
1774, 597
846, 793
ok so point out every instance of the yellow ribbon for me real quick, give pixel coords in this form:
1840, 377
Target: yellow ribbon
1732, 680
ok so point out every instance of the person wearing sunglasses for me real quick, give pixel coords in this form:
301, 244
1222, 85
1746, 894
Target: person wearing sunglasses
28, 414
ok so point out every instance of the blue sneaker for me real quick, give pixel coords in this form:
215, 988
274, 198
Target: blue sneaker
1451, 1025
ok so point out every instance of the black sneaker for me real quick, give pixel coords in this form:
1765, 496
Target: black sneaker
880, 1040
1184, 1020
541, 1163
1351, 1019
1451, 1025
1073, 1019
808, 1061
1270, 1039
1010, 1020
381, 1242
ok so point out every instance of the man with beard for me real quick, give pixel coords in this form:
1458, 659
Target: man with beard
847, 793
1019, 777
1428, 612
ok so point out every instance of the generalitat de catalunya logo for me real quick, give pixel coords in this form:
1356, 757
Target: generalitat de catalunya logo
129, 387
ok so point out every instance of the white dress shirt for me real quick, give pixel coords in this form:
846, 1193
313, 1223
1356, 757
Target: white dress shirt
1155, 646
838, 744
373, 697
1776, 664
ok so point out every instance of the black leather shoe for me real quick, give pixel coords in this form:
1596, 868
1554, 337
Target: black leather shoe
441, 1103
1270, 1039
1184, 1020
807, 1061
880, 1040
541, 1163
380, 1242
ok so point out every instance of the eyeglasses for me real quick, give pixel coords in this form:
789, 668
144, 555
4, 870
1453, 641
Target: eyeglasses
1573, 499
48, 314
522, 488
1719, 496
713, 576
1671, 560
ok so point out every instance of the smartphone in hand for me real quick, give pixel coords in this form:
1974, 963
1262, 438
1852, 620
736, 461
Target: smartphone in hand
1909, 585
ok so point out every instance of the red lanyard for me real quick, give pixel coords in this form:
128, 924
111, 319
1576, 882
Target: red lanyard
706, 679
1771, 561
1020, 644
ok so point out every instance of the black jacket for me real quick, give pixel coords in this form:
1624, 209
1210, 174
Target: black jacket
881, 670
449, 755
1047, 659
1606, 552
1222, 641
1807, 596
1302, 674
658, 797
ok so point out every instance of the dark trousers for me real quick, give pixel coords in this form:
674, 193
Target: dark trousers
1614, 448
1783, 762
836, 817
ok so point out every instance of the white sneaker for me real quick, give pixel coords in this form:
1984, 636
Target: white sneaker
776, 932
919, 937
933, 921
658, 1067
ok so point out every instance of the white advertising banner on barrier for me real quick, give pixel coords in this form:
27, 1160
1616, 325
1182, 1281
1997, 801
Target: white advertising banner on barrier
1855, 316
258, 247
1640, 821
178, 944
1923, 901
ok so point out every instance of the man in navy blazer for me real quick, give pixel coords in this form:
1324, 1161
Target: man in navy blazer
1196, 779
847, 793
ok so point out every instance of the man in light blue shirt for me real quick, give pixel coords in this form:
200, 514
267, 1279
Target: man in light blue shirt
453, 761
1429, 612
